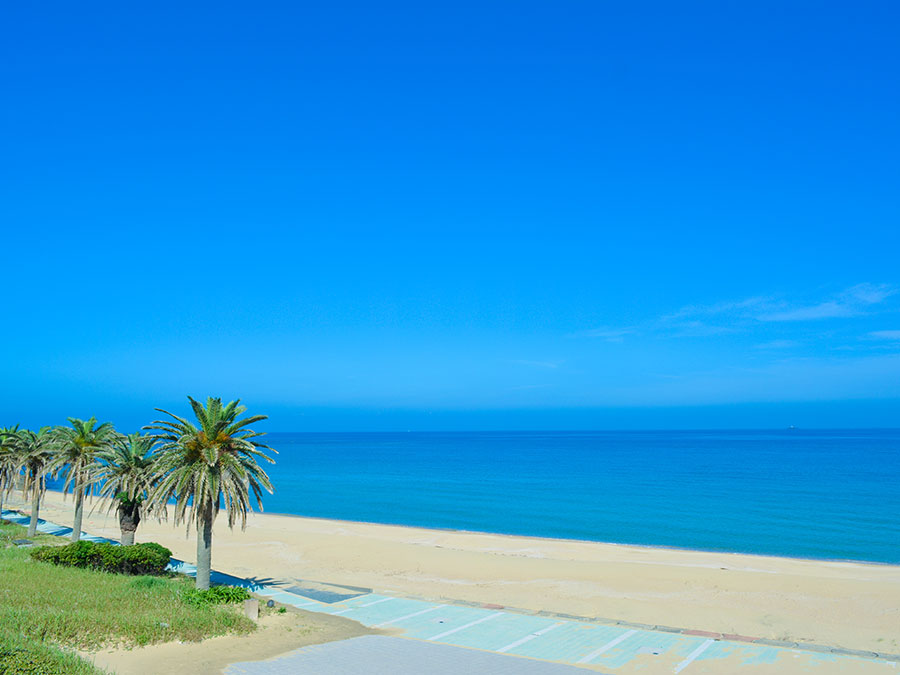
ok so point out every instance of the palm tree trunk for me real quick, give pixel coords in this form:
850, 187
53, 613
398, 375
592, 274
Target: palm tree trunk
35, 506
204, 547
79, 512
2, 489
129, 518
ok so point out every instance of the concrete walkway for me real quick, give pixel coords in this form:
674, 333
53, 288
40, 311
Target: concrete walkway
606, 646
382, 655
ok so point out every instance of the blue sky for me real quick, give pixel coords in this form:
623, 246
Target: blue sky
453, 215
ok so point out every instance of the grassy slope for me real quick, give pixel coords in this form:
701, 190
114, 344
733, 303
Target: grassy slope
42, 605
21, 656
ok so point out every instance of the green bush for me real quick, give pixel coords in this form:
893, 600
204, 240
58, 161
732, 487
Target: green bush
216, 595
140, 559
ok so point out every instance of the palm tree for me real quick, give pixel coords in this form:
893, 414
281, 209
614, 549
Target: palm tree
35, 456
77, 447
127, 476
208, 467
9, 460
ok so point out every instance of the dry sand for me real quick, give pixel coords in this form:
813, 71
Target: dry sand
277, 634
852, 605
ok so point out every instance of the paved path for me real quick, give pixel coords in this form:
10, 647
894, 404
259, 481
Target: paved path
607, 647
382, 655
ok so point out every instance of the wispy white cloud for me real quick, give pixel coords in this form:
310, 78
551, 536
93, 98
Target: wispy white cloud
884, 335
698, 329
734, 316
869, 294
850, 302
824, 310
777, 344
719, 308
608, 334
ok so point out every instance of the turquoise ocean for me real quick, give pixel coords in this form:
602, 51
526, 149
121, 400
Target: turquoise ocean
813, 494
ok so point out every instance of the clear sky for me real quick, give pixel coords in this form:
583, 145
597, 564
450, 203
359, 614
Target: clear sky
429, 215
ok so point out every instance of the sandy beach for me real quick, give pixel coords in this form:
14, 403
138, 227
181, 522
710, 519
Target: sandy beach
847, 604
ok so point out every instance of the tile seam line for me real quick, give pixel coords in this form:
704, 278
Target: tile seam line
693, 655
529, 638
605, 648
468, 625
408, 616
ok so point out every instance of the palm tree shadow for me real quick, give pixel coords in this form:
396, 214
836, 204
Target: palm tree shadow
326, 593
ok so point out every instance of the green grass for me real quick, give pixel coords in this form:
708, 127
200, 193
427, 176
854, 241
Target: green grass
20, 656
43, 607
10, 531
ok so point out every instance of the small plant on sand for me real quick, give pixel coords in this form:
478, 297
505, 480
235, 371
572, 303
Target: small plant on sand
216, 595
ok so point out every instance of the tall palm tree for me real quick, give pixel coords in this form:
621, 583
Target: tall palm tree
127, 476
35, 456
208, 467
76, 447
9, 460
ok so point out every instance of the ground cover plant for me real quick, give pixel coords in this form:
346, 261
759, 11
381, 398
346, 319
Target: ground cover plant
79, 608
21, 656
10, 532
217, 595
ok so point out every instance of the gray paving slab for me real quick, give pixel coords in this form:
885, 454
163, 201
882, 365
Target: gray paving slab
384, 655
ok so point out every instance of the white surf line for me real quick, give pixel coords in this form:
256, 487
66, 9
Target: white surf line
527, 638
369, 604
468, 625
408, 616
693, 655
605, 648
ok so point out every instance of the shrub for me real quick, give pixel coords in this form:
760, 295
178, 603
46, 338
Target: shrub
149, 558
216, 595
141, 559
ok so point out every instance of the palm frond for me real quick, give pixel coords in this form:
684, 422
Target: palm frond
212, 464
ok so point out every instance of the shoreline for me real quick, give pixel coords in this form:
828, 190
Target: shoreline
848, 604
539, 538
601, 542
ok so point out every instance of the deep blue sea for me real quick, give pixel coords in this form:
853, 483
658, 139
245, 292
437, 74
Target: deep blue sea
816, 494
